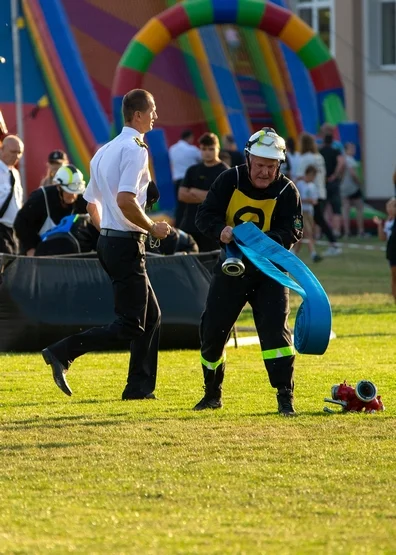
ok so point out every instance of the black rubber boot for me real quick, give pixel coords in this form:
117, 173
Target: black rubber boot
286, 402
213, 389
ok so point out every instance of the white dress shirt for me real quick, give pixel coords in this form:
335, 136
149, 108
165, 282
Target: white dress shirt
119, 166
182, 155
5, 188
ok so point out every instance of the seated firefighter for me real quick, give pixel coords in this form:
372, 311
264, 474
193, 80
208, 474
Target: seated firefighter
37, 223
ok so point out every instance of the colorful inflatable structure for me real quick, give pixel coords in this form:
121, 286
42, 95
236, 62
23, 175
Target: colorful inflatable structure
79, 58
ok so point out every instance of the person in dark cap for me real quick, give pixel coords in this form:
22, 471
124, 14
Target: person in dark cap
56, 159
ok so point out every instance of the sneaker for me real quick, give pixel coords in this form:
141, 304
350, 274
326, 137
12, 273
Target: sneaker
209, 401
285, 402
333, 251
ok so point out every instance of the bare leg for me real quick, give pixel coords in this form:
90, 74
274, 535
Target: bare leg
359, 216
336, 224
346, 205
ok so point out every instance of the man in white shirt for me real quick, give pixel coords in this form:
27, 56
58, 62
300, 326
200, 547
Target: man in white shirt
116, 195
11, 192
182, 155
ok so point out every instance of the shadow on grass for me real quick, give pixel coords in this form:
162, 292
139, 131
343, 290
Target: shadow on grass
65, 421
341, 336
71, 402
27, 446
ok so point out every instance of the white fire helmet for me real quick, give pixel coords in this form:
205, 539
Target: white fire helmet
70, 179
266, 143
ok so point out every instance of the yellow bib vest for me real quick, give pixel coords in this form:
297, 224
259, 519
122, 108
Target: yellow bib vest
242, 208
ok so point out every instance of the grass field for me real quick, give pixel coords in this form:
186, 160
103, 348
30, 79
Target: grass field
92, 474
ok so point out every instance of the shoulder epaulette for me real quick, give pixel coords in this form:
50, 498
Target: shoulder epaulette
140, 143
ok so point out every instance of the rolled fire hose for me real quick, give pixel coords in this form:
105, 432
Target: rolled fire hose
313, 321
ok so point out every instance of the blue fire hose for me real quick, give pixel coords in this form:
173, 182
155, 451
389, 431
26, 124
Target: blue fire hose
313, 321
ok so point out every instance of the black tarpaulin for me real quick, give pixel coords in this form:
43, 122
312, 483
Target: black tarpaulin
45, 299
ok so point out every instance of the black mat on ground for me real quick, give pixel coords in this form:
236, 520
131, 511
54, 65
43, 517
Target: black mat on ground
45, 299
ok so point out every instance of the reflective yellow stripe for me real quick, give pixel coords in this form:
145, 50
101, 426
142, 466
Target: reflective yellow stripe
70, 172
279, 353
213, 365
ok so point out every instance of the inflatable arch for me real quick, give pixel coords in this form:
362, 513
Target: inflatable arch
259, 14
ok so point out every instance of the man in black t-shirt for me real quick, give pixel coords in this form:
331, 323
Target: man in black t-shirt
196, 185
335, 166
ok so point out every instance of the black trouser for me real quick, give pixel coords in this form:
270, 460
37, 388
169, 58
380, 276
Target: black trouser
138, 316
180, 206
270, 303
8, 240
334, 196
319, 219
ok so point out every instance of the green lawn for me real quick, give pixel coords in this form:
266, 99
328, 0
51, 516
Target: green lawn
92, 474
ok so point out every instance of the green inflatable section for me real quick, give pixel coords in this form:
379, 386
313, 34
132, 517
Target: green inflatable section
334, 111
368, 213
314, 53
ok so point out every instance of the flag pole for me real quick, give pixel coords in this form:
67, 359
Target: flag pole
16, 51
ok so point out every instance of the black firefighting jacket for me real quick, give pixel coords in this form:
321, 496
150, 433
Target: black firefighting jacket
232, 200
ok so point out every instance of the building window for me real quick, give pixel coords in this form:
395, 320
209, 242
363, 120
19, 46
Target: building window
388, 32
319, 14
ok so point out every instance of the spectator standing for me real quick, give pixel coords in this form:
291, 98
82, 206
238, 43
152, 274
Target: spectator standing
196, 185
328, 129
292, 159
387, 232
335, 166
56, 159
309, 198
116, 196
310, 156
182, 155
351, 194
11, 192
45, 207
230, 146
225, 157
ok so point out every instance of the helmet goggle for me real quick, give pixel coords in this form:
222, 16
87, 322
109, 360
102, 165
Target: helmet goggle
70, 179
267, 138
75, 186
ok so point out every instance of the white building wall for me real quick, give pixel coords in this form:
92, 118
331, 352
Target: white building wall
380, 134
379, 145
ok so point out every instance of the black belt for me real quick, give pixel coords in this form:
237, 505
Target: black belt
124, 234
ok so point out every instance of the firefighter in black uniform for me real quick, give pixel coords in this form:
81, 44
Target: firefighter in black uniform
257, 192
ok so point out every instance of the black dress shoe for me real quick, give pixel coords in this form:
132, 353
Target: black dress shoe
58, 371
